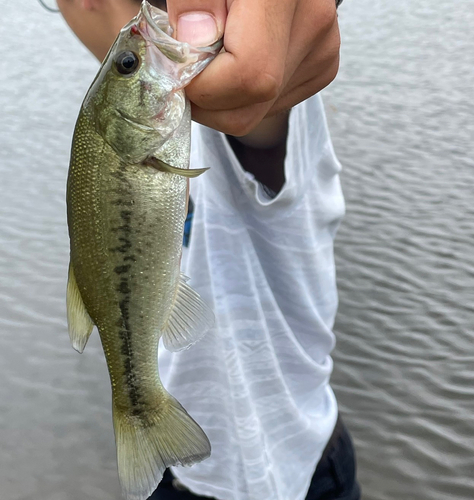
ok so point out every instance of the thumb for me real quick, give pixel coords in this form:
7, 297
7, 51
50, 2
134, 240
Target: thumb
197, 22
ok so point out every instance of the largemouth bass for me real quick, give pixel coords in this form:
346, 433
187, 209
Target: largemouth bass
126, 201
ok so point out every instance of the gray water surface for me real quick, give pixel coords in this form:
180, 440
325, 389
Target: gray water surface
402, 117
401, 114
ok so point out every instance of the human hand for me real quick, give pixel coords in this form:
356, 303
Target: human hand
277, 54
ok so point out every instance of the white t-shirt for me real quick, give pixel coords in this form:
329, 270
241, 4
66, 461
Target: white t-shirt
258, 383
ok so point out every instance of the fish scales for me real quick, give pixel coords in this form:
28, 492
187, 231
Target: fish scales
126, 203
132, 221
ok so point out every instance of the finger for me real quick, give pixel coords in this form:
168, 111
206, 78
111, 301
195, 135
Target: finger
251, 69
197, 22
241, 121
304, 81
235, 122
313, 25
305, 89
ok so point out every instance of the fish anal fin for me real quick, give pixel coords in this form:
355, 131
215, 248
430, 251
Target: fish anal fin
189, 320
79, 322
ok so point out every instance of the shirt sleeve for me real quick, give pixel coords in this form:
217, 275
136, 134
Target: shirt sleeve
309, 160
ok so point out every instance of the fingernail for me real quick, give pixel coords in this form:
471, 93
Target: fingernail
197, 28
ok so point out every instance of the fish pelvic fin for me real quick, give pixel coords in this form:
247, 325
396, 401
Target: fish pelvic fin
189, 321
79, 322
150, 442
164, 167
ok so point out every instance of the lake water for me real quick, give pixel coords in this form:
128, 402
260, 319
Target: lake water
401, 114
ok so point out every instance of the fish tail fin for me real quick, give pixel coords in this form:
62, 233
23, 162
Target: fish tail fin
150, 442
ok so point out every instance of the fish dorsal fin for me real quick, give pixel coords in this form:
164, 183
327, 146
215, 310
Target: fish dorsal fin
79, 322
189, 320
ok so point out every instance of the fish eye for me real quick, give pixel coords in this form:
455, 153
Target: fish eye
127, 62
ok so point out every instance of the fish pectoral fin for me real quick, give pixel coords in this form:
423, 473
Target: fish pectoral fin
79, 322
164, 167
150, 442
189, 320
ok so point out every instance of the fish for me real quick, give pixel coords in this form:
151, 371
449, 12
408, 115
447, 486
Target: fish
126, 208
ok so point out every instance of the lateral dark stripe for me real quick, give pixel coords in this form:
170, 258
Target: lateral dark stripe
123, 231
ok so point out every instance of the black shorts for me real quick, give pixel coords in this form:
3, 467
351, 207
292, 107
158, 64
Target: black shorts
334, 478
